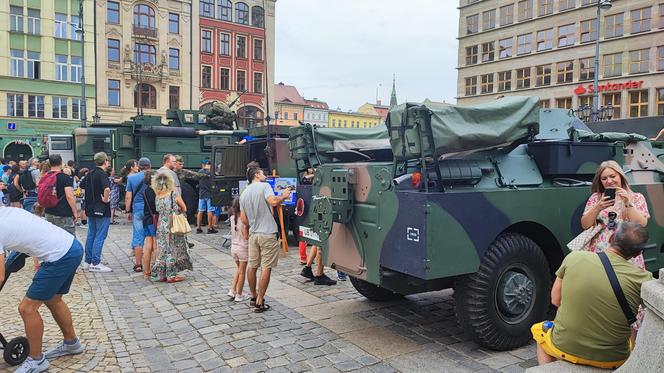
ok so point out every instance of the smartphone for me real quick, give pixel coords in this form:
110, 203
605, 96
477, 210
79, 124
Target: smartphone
611, 193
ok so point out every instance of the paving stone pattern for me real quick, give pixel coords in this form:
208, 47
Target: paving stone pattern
133, 325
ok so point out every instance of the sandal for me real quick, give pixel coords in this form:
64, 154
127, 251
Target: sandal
138, 268
260, 308
175, 279
252, 302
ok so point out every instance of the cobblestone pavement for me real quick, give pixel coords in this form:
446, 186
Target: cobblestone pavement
132, 325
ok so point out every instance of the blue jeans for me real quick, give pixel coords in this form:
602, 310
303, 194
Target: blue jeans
29, 201
97, 232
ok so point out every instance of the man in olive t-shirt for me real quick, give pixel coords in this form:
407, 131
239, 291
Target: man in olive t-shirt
590, 323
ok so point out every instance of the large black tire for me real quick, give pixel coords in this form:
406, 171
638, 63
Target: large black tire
510, 292
373, 292
16, 351
190, 198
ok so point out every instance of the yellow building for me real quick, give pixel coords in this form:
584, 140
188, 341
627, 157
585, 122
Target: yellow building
289, 105
351, 119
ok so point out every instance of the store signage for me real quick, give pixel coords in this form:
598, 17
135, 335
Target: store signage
11, 126
608, 87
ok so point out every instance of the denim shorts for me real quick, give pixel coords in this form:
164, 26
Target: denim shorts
138, 232
149, 231
205, 204
56, 277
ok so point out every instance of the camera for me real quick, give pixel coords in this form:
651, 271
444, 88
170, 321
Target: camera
612, 224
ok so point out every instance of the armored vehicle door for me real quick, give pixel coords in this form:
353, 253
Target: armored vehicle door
122, 147
229, 166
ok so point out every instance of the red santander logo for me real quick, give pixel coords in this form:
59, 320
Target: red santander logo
580, 90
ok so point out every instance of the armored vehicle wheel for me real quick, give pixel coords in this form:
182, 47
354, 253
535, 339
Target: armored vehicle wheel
190, 198
16, 351
373, 292
509, 293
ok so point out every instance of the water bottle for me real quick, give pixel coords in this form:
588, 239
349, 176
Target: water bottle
546, 325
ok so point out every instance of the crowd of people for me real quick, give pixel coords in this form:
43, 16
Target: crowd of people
592, 325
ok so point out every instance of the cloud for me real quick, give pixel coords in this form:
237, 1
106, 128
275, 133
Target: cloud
340, 51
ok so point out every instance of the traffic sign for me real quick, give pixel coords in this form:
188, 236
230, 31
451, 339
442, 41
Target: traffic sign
11, 126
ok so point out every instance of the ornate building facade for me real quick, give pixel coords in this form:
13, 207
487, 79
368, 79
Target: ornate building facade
146, 57
236, 41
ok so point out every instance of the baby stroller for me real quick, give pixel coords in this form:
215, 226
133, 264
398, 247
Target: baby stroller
16, 350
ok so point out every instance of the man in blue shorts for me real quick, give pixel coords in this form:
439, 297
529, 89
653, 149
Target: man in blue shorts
60, 254
205, 199
135, 206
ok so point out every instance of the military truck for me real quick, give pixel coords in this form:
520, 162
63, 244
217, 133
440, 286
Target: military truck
189, 133
482, 199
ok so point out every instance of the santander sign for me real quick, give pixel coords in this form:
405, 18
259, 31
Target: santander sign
608, 87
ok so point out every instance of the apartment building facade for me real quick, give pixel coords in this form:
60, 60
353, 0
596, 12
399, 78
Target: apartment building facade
41, 67
546, 48
144, 59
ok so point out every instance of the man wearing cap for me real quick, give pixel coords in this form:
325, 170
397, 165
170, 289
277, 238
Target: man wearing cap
204, 199
98, 210
135, 203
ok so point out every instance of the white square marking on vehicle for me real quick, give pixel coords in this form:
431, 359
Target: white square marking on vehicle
413, 234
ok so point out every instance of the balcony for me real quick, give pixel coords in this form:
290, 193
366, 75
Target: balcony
143, 31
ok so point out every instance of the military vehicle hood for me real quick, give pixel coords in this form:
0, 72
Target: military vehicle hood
456, 129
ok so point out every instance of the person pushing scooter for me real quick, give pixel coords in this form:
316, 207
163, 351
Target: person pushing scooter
60, 254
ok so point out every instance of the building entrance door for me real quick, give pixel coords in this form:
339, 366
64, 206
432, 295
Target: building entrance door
17, 152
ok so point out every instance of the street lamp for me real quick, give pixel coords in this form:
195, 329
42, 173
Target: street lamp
601, 5
80, 30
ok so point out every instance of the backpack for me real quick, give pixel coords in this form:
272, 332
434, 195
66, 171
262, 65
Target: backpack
26, 181
15, 194
47, 193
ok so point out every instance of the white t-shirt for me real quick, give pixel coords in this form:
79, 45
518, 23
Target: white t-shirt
26, 233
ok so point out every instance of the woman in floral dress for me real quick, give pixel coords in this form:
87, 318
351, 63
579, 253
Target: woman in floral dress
628, 206
172, 256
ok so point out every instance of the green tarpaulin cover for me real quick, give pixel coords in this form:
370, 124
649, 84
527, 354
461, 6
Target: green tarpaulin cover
457, 129
333, 139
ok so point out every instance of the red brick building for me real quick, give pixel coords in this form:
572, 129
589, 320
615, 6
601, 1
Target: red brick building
236, 55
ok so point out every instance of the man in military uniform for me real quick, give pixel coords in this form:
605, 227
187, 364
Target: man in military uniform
183, 173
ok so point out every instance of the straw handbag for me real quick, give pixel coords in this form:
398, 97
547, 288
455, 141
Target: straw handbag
179, 224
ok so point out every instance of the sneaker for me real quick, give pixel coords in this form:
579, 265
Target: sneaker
324, 280
86, 266
212, 230
231, 295
241, 297
65, 349
341, 276
308, 273
84, 226
190, 244
33, 366
99, 268
199, 230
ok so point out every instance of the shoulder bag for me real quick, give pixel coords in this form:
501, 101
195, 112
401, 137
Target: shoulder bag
581, 241
154, 217
98, 207
179, 224
617, 290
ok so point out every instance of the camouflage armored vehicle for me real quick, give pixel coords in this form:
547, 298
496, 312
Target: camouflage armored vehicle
481, 199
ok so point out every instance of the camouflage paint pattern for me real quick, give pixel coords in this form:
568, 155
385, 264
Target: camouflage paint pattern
437, 235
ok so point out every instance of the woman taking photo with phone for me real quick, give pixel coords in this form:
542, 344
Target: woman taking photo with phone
612, 201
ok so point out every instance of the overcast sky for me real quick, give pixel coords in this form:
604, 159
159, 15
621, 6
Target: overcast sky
340, 51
